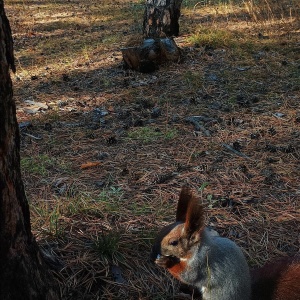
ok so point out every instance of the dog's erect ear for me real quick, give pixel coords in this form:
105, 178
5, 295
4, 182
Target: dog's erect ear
194, 222
185, 197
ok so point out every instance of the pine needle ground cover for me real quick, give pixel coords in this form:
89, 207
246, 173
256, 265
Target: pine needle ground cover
105, 150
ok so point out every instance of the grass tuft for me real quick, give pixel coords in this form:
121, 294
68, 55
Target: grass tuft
107, 245
213, 38
149, 134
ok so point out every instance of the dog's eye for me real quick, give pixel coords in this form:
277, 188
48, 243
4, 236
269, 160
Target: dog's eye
173, 242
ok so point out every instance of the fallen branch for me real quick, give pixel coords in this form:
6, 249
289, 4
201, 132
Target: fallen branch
33, 136
228, 147
197, 125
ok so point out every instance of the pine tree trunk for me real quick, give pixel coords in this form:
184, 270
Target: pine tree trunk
23, 274
161, 18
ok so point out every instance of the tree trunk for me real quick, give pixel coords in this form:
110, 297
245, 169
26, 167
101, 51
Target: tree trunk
23, 273
161, 18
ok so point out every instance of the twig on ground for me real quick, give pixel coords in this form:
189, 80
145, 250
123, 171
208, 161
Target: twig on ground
228, 147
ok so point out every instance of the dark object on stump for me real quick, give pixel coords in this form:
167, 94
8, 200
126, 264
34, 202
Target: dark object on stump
153, 52
161, 18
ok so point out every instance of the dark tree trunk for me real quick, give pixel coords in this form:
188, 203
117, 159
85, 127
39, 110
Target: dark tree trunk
161, 18
23, 274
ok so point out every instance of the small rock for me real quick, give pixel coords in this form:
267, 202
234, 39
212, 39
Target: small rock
156, 112
100, 184
212, 77
117, 274
102, 155
60, 186
34, 107
98, 113
138, 123
62, 103
243, 68
278, 115
25, 125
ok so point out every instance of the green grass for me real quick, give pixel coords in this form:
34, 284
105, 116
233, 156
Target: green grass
110, 200
48, 217
107, 245
42, 164
213, 37
55, 227
37, 165
81, 203
110, 193
295, 78
149, 134
194, 79
140, 209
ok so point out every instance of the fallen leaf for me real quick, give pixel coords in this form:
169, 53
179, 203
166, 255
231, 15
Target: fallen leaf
90, 164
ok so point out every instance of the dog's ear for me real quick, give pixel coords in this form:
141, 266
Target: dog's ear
185, 197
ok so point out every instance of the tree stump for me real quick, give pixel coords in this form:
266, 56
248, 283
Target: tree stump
150, 54
160, 25
161, 18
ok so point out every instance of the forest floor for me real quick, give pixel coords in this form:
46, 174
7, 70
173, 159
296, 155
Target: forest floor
105, 151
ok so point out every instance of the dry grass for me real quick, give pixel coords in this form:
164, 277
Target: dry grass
102, 182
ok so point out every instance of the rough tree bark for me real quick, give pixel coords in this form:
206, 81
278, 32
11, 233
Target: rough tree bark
161, 18
23, 273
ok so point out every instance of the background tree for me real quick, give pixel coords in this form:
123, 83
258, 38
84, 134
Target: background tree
23, 273
161, 18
